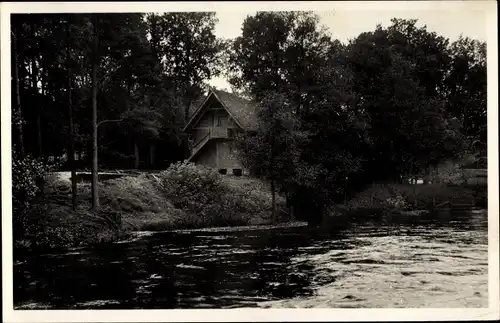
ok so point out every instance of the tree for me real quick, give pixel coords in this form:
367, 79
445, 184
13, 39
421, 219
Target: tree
144, 121
406, 117
71, 149
273, 151
95, 66
289, 52
17, 115
188, 50
187, 54
130, 69
467, 88
279, 51
428, 52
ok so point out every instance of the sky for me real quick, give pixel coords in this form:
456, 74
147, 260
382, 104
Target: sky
347, 24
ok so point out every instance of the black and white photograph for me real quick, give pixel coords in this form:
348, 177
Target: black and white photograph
249, 156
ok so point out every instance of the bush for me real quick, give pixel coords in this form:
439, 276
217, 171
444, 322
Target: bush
405, 196
56, 226
397, 202
191, 187
207, 199
132, 194
27, 183
182, 197
449, 173
138, 199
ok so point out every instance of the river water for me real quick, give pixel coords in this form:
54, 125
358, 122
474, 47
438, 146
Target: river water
437, 260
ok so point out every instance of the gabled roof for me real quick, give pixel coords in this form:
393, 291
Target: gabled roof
243, 111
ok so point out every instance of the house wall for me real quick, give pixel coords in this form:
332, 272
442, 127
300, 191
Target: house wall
206, 120
208, 155
211, 115
209, 120
226, 156
198, 134
217, 153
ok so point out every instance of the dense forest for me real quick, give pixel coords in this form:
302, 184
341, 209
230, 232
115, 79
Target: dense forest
142, 72
115, 90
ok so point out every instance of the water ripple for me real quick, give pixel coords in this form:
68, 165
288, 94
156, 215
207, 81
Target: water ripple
387, 264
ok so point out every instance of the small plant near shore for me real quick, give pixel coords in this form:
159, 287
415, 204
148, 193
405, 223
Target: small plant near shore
396, 202
28, 176
450, 173
406, 197
57, 226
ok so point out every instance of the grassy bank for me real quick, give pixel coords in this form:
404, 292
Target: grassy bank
385, 198
189, 197
182, 197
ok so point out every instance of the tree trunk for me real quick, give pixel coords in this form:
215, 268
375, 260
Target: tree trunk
18, 118
34, 84
44, 91
137, 156
273, 201
151, 156
39, 133
95, 193
185, 142
71, 154
290, 202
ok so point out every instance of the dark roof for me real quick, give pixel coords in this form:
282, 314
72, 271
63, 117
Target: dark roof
242, 110
196, 104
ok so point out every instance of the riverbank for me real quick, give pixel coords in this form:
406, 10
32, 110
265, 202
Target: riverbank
388, 262
187, 197
412, 200
182, 197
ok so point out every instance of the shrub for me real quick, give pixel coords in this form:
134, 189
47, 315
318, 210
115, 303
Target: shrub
396, 202
184, 196
449, 173
208, 200
138, 199
406, 196
27, 183
132, 194
191, 187
57, 226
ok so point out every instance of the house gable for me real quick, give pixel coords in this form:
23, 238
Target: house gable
243, 112
214, 115
206, 115
213, 126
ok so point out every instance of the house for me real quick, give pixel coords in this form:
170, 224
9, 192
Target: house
213, 126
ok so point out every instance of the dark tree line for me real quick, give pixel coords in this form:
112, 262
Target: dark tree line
391, 103
109, 88
115, 90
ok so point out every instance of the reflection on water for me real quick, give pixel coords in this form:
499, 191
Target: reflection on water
434, 261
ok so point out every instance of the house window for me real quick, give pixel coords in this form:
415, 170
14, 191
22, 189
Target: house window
230, 133
232, 148
237, 172
221, 121
223, 171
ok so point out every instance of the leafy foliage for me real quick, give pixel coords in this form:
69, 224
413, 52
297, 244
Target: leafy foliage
201, 193
145, 85
27, 184
384, 106
391, 103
